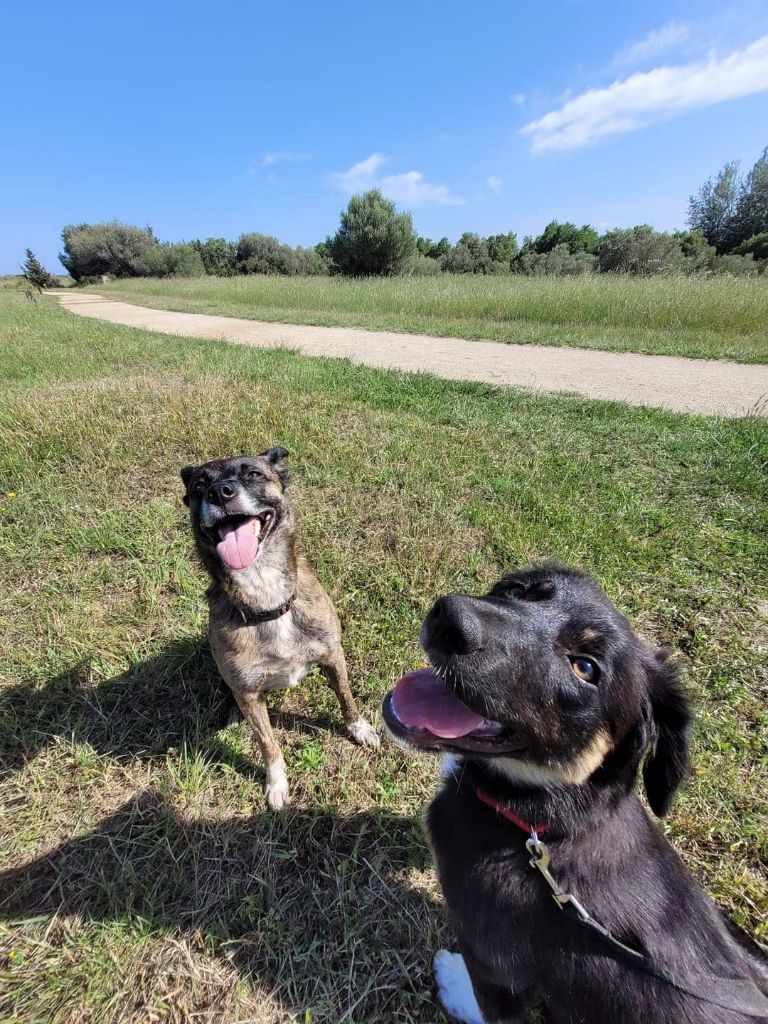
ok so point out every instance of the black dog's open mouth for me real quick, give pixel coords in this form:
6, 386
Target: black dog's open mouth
238, 539
422, 711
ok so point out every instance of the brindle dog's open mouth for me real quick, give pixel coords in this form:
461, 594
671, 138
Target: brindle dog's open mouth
424, 713
238, 539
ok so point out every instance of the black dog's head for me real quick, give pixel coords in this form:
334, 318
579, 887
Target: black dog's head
545, 678
237, 507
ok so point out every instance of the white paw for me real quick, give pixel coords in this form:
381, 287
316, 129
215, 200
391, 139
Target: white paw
277, 787
454, 989
362, 732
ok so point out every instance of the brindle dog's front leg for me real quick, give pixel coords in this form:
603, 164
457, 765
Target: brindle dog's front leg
334, 668
256, 714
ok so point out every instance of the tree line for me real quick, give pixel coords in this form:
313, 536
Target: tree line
727, 233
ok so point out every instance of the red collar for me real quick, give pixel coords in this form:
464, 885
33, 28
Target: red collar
486, 798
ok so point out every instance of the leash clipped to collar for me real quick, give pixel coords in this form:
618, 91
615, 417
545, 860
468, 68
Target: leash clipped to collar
739, 995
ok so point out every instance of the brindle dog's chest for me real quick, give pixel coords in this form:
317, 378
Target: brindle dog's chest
281, 664
266, 656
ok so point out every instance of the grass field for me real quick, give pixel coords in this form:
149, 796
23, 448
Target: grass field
142, 878
720, 318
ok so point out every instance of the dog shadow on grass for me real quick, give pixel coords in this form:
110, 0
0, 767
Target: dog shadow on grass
174, 698
319, 910
315, 908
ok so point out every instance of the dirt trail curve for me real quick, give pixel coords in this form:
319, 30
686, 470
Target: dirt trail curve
708, 386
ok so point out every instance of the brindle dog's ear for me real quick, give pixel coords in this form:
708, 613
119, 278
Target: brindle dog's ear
274, 457
666, 765
186, 475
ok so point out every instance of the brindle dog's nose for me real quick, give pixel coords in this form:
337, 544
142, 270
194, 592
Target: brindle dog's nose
453, 626
222, 491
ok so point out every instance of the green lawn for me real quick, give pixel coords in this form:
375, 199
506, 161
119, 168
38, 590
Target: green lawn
144, 880
720, 318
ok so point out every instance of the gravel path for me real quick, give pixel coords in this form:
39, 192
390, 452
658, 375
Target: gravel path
709, 386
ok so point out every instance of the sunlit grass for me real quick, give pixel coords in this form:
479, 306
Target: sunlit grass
144, 878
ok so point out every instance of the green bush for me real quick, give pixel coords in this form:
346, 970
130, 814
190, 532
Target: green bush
172, 259
502, 248
557, 262
311, 261
468, 256
264, 254
583, 239
474, 254
737, 266
699, 257
434, 250
218, 256
119, 250
424, 266
756, 246
640, 251
373, 238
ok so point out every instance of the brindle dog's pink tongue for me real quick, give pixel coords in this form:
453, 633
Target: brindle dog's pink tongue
239, 544
421, 700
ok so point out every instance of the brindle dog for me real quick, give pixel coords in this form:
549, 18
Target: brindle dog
270, 619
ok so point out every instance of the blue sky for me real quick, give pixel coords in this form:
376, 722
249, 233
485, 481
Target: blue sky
213, 119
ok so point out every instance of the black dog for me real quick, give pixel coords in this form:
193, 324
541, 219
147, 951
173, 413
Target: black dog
552, 705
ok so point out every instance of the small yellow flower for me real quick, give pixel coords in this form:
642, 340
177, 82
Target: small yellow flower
11, 494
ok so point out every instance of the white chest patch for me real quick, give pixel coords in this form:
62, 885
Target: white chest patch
280, 667
264, 583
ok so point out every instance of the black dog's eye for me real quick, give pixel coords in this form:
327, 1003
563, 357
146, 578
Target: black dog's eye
531, 590
199, 486
584, 669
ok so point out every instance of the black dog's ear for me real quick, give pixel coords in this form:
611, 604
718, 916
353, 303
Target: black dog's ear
274, 457
186, 475
666, 765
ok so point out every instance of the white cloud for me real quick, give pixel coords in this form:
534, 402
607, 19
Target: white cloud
648, 96
359, 176
494, 183
661, 40
518, 98
269, 159
410, 188
413, 189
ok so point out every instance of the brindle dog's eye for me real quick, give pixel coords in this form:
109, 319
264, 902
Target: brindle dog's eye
584, 669
254, 474
516, 590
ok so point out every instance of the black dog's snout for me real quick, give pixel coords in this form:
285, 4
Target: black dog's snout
222, 491
453, 626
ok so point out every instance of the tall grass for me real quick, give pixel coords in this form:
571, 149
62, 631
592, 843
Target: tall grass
719, 317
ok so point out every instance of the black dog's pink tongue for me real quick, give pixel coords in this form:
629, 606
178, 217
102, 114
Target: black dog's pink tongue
238, 544
422, 700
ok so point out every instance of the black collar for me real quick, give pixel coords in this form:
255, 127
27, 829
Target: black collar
249, 616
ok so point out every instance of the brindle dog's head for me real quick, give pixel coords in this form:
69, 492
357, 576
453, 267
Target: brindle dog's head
238, 507
544, 680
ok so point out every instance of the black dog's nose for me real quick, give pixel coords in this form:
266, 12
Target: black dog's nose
222, 491
453, 626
